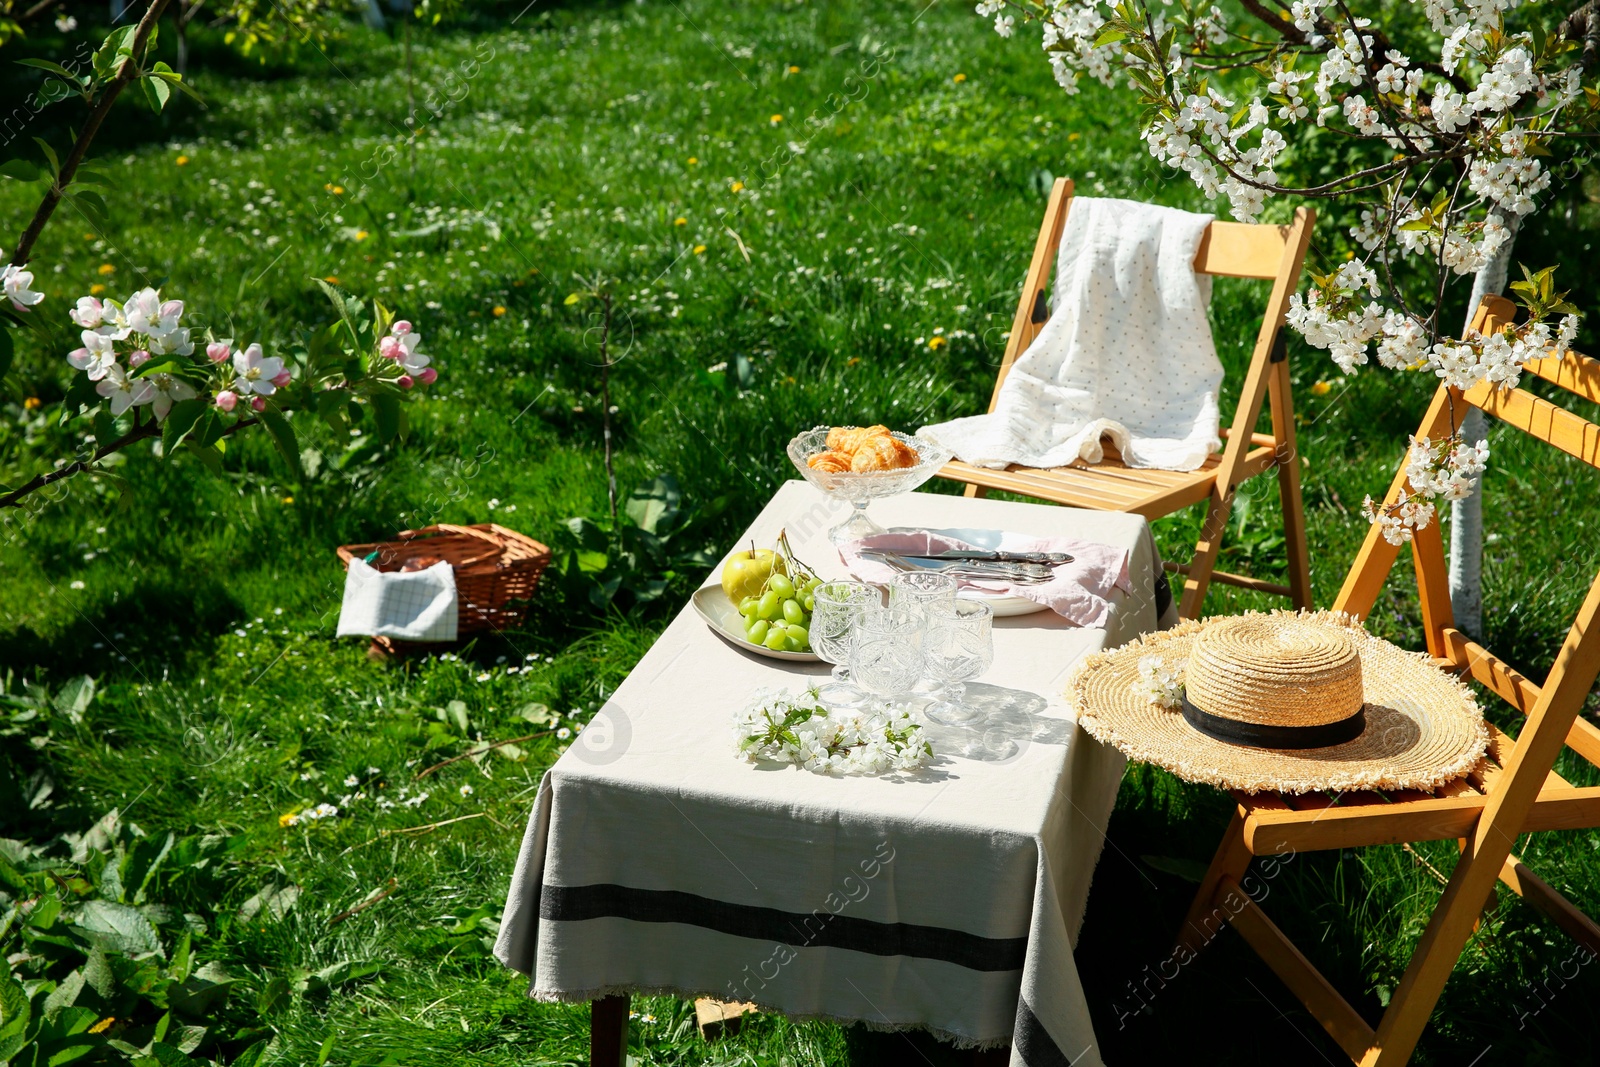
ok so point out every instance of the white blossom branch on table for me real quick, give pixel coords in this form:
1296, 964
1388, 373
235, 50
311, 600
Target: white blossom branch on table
799, 729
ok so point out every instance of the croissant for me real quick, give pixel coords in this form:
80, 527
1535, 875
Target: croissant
848, 440
882, 454
830, 462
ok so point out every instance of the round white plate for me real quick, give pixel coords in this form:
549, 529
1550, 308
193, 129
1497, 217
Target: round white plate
1004, 605
722, 616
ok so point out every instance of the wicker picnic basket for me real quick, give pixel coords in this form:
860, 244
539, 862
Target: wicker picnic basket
496, 568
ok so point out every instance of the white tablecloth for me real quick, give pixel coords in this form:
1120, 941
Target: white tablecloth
655, 861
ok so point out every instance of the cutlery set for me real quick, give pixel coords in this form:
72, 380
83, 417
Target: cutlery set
1022, 568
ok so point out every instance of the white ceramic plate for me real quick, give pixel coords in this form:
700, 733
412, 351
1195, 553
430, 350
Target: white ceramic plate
723, 617
1000, 605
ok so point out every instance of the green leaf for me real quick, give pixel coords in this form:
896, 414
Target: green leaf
158, 364
105, 428
209, 456
117, 927
649, 506
15, 1014
91, 204
21, 170
180, 422
165, 1055
53, 68
330, 405
156, 92
50, 154
7, 352
330, 978
73, 698
572, 298
457, 711
116, 50
202, 992
251, 1056
283, 436
386, 412
1110, 35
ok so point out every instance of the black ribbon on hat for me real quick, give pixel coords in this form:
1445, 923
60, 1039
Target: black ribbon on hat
1257, 735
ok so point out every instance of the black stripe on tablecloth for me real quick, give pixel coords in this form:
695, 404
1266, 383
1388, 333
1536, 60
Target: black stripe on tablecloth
573, 903
1034, 1043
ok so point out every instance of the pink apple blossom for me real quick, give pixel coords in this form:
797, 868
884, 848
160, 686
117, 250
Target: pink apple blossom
138, 358
218, 351
97, 356
259, 403
255, 371
227, 400
89, 313
428, 376
405, 381
282, 378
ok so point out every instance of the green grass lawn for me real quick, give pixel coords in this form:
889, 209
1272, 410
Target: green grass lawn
791, 201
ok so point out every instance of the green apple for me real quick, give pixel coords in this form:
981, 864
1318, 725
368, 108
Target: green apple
745, 572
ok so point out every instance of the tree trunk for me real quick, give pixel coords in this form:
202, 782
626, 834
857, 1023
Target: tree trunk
1466, 516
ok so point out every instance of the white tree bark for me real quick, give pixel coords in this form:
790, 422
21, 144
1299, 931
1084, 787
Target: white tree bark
1466, 516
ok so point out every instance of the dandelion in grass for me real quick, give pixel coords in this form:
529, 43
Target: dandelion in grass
1321, 389
680, 221
289, 818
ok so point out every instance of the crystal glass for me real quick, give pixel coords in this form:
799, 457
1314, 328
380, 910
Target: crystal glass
916, 589
886, 659
837, 608
863, 487
957, 646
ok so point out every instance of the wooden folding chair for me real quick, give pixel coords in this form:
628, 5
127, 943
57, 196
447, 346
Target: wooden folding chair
1229, 249
1515, 790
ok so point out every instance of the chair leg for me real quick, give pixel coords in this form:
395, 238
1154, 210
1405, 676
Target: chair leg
975, 490
1294, 515
1198, 578
1205, 918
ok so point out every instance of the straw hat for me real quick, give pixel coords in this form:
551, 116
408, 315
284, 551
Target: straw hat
1294, 702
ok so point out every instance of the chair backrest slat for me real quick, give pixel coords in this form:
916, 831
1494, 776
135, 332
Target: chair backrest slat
1242, 250
1571, 371
1571, 433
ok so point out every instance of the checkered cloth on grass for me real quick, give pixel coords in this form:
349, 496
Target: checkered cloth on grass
409, 605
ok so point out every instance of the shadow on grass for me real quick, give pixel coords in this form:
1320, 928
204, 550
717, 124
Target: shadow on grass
162, 622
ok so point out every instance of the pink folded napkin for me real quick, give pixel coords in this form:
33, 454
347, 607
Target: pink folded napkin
1078, 593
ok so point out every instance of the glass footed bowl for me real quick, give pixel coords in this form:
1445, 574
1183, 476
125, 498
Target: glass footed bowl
863, 487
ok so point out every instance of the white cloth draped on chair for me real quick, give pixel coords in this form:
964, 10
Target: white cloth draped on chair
1127, 352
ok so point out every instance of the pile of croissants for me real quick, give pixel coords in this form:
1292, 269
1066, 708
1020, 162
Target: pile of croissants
863, 448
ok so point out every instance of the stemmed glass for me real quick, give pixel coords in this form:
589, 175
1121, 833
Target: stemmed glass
886, 659
837, 608
916, 589
958, 645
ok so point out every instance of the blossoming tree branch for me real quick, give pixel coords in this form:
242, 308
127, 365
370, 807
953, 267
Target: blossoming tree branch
140, 373
1444, 115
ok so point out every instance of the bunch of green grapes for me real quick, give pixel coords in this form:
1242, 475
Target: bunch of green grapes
780, 618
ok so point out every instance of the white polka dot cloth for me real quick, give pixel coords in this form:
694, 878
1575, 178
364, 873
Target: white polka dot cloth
1126, 354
